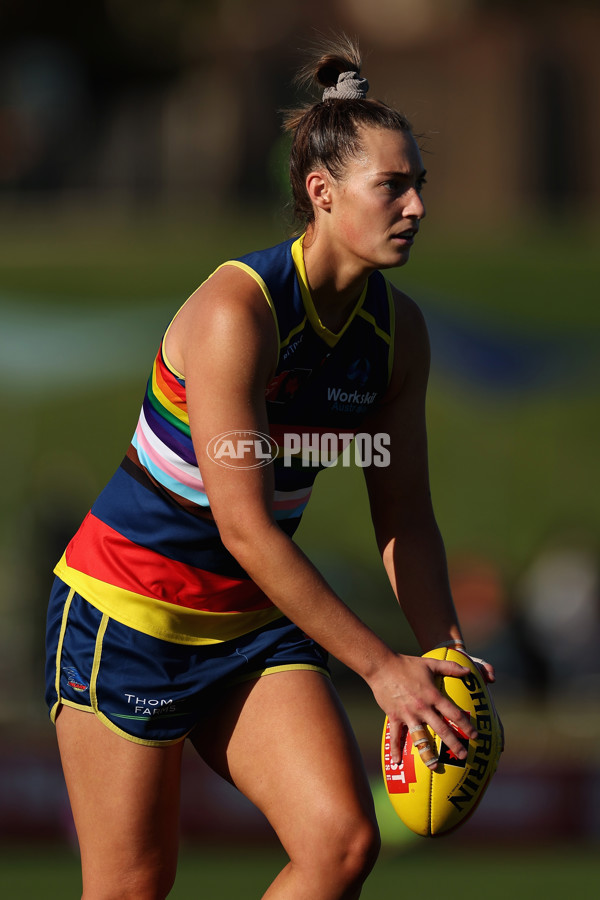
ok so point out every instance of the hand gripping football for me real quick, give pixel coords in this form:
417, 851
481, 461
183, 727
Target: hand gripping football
432, 802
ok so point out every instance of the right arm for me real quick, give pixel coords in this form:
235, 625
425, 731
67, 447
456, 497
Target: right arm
224, 342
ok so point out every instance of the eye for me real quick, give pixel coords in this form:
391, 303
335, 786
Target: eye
401, 185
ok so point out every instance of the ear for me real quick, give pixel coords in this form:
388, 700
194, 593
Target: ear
318, 188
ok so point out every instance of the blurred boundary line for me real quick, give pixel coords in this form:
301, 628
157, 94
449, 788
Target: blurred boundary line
48, 348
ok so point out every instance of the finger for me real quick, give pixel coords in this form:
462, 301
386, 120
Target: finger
452, 713
446, 668
486, 669
451, 728
402, 739
422, 743
398, 733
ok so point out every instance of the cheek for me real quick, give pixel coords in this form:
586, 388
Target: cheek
352, 228
356, 222
359, 215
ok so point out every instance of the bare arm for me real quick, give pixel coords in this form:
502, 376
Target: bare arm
406, 530
225, 379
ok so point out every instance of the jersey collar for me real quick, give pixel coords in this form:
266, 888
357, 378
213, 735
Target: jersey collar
330, 337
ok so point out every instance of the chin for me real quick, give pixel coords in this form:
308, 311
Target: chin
395, 260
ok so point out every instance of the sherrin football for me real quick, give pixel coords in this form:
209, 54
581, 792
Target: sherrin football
432, 802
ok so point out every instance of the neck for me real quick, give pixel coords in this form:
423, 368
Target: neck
335, 284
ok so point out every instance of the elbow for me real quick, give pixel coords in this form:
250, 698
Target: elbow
406, 528
244, 538
235, 538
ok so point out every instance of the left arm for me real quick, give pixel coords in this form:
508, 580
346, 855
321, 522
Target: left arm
405, 526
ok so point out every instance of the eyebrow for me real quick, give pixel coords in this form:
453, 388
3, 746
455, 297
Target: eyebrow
420, 176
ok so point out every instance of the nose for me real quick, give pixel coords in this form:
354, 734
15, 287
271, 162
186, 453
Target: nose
414, 207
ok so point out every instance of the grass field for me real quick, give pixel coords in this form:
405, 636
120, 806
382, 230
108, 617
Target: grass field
243, 874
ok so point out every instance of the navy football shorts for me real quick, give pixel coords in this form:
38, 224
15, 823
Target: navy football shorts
148, 690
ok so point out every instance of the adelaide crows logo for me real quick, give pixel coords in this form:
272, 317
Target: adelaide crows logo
283, 388
359, 371
74, 679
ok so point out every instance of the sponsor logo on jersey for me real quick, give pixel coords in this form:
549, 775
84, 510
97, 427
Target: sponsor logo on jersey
149, 706
337, 396
291, 348
355, 400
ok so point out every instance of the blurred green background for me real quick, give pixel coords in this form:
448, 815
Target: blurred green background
139, 147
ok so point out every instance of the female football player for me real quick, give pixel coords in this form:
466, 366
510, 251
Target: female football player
183, 608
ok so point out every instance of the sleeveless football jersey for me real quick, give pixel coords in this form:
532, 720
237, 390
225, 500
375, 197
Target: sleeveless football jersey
149, 553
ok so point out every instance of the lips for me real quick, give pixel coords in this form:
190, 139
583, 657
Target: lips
408, 235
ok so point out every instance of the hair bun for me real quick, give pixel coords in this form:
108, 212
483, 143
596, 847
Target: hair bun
328, 74
349, 86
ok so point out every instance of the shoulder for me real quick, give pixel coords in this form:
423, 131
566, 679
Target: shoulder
409, 316
229, 306
242, 286
273, 258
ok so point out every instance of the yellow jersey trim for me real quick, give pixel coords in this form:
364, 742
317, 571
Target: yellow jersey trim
262, 285
176, 411
293, 332
284, 667
244, 268
171, 368
61, 639
71, 703
372, 321
392, 307
162, 620
132, 737
330, 337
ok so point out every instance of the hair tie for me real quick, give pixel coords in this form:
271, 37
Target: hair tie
350, 86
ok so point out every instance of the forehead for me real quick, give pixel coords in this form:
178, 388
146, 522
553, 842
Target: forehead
384, 150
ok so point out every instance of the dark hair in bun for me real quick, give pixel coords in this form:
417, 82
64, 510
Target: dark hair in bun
326, 133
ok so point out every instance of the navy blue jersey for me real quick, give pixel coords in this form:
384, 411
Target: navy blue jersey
149, 553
